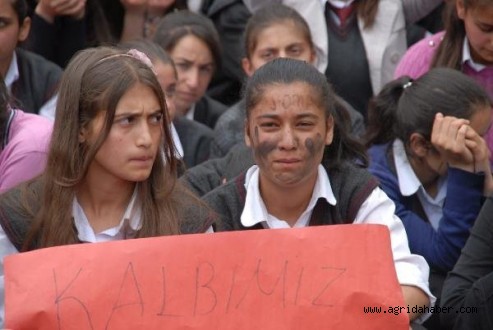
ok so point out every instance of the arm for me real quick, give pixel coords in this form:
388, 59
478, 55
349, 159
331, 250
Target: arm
412, 270
440, 248
472, 274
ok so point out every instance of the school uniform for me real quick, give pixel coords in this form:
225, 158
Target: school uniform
342, 195
15, 224
33, 83
206, 111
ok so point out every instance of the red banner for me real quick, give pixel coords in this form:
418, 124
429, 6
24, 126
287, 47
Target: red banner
307, 278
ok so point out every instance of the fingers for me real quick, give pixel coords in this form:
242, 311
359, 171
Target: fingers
69, 7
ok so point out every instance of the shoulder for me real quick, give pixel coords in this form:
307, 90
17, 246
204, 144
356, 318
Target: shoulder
417, 59
234, 114
379, 161
18, 207
351, 186
31, 132
36, 62
211, 105
186, 127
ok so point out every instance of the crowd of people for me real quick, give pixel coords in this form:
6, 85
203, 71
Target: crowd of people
123, 119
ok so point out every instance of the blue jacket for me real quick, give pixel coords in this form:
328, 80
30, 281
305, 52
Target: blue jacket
441, 248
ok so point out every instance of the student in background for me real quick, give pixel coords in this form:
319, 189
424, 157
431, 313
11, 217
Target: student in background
275, 31
193, 43
427, 151
31, 79
464, 45
24, 140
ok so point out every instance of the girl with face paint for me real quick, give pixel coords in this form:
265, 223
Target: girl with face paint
306, 173
427, 151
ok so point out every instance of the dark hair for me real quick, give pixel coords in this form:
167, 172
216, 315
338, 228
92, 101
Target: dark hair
287, 71
150, 48
20, 7
94, 82
4, 113
367, 11
404, 106
175, 26
449, 52
269, 15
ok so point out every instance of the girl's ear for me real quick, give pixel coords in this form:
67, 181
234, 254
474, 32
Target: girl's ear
461, 10
83, 135
313, 56
418, 145
248, 140
24, 29
329, 136
247, 66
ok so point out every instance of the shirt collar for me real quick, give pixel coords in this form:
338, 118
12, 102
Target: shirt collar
176, 141
467, 58
408, 181
337, 3
191, 112
255, 210
12, 72
131, 220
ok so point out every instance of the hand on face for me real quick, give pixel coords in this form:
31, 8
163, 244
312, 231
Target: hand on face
52, 8
458, 144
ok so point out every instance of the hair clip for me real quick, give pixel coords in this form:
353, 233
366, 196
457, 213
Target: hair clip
134, 53
406, 85
137, 54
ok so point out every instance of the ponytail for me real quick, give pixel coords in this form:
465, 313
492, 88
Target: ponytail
382, 111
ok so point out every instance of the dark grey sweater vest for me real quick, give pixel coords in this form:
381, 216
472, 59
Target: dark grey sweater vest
351, 186
16, 220
38, 81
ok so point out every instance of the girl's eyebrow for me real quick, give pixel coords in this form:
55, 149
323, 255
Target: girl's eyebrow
275, 116
135, 113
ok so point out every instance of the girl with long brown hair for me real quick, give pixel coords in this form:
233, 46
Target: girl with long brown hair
111, 170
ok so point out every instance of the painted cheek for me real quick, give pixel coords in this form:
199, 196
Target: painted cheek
314, 145
262, 149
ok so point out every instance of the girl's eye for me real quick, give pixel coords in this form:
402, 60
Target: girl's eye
306, 124
267, 55
157, 118
268, 124
126, 121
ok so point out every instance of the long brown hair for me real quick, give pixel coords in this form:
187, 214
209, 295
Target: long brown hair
449, 52
367, 11
93, 82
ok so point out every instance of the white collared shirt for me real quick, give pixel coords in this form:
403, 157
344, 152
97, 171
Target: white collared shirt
48, 109
176, 141
130, 223
467, 58
378, 208
255, 211
409, 184
191, 112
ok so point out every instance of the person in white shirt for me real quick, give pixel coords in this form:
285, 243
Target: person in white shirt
306, 172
